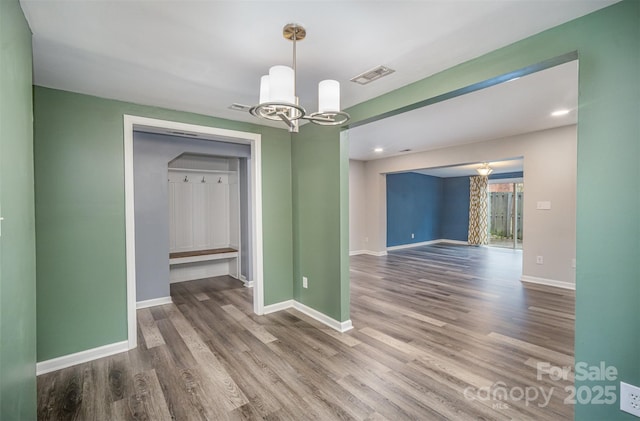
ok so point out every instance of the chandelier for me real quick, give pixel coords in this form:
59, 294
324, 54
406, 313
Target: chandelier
278, 99
484, 170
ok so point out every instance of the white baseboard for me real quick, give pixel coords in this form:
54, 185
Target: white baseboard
323, 318
458, 242
549, 282
153, 302
314, 314
81, 357
427, 243
369, 252
272, 308
247, 283
411, 245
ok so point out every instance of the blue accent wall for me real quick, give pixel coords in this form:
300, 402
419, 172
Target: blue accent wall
430, 207
413, 206
455, 209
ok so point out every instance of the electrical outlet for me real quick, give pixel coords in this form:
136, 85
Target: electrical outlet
305, 282
630, 399
539, 260
413, 235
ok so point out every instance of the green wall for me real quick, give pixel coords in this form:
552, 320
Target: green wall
17, 243
608, 271
80, 216
277, 228
320, 220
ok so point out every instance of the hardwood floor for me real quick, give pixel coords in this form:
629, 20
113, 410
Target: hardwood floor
437, 330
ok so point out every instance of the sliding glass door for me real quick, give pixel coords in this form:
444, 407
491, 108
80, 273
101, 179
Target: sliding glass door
505, 214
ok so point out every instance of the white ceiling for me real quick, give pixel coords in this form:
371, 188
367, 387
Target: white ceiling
202, 56
519, 106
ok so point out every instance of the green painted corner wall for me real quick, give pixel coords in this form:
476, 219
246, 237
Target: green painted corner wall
17, 243
345, 275
320, 220
277, 214
79, 202
608, 269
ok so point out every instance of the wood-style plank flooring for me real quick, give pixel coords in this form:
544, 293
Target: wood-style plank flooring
437, 330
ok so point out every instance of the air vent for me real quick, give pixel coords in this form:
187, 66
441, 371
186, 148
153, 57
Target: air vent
371, 75
405, 150
239, 107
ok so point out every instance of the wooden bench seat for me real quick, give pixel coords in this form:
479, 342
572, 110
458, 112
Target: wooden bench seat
202, 255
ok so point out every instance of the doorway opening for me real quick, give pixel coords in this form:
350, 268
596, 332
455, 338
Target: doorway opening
505, 203
254, 163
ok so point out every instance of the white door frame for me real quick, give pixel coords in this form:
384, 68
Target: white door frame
164, 126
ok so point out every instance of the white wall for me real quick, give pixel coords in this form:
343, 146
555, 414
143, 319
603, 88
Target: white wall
357, 207
549, 175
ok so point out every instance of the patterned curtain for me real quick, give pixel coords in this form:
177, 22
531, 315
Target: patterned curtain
478, 227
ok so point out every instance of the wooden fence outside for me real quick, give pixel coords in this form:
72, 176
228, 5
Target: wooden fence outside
500, 212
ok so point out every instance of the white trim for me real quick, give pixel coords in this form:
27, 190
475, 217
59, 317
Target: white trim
256, 232
412, 245
549, 282
313, 313
130, 230
323, 318
154, 302
272, 308
247, 283
459, 242
369, 252
160, 126
81, 357
428, 243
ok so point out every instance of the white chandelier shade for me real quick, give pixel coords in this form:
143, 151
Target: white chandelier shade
281, 85
264, 89
329, 96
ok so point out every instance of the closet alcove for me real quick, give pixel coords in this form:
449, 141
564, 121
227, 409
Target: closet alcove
204, 217
192, 212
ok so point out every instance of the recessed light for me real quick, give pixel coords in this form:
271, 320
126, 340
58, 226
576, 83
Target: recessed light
560, 113
378, 150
